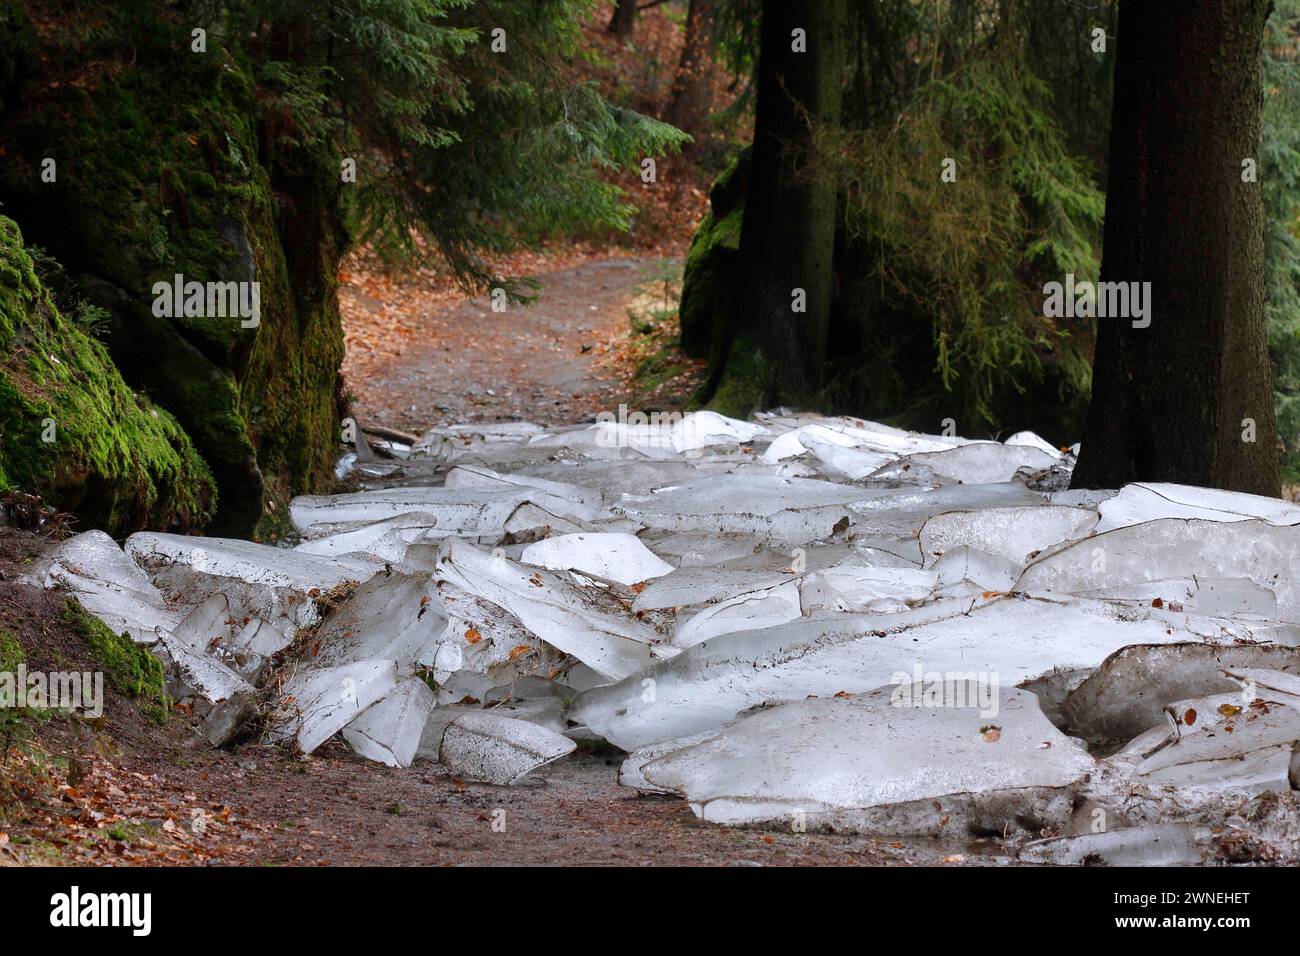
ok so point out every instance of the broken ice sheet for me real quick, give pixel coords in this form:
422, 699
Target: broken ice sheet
555, 610
554, 496
317, 702
978, 463
386, 540
616, 557
797, 510
495, 749
1174, 548
107, 583
484, 645
744, 612
201, 673
903, 512
1011, 533
1219, 743
275, 584
389, 731
865, 436
1127, 694
708, 684
1162, 844
393, 616
212, 629
868, 764
472, 512
1149, 501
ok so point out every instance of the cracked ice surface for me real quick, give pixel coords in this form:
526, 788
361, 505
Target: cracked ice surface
861, 762
722, 599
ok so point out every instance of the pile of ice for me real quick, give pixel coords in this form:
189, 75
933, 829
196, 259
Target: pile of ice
797, 621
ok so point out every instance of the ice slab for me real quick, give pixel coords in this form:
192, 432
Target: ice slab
871, 763
1011, 533
530, 521
629, 771
1162, 844
555, 610
483, 640
389, 731
1171, 548
904, 512
744, 612
696, 549
107, 583
393, 616
798, 509
554, 496
1217, 597
495, 749
847, 462
386, 540
708, 684
866, 436
275, 584
1128, 693
987, 572
472, 512
978, 463
1032, 440
212, 629
851, 587
1149, 501
317, 701
1222, 743
201, 673
616, 557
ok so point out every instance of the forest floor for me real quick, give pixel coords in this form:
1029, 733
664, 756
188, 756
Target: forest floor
416, 359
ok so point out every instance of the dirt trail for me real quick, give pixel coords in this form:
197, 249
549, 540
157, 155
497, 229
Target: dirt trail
548, 362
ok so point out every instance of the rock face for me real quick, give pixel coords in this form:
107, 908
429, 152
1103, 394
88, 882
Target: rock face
74, 432
939, 652
162, 173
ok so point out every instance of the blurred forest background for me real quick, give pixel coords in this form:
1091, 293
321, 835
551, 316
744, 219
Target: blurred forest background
480, 165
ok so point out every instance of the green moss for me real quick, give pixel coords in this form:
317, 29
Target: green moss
129, 668
168, 169
709, 280
70, 429
740, 390
11, 652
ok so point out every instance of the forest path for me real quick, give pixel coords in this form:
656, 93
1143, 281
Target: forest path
417, 360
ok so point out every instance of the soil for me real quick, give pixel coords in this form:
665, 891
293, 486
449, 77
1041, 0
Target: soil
552, 362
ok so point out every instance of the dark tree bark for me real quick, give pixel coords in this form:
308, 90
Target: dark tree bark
623, 21
777, 355
692, 88
1169, 400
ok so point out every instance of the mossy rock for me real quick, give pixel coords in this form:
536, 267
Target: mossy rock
72, 432
166, 166
129, 668
710, 282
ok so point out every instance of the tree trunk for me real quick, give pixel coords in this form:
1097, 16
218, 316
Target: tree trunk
1182, 399
787, 241
693, 88
624, 19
